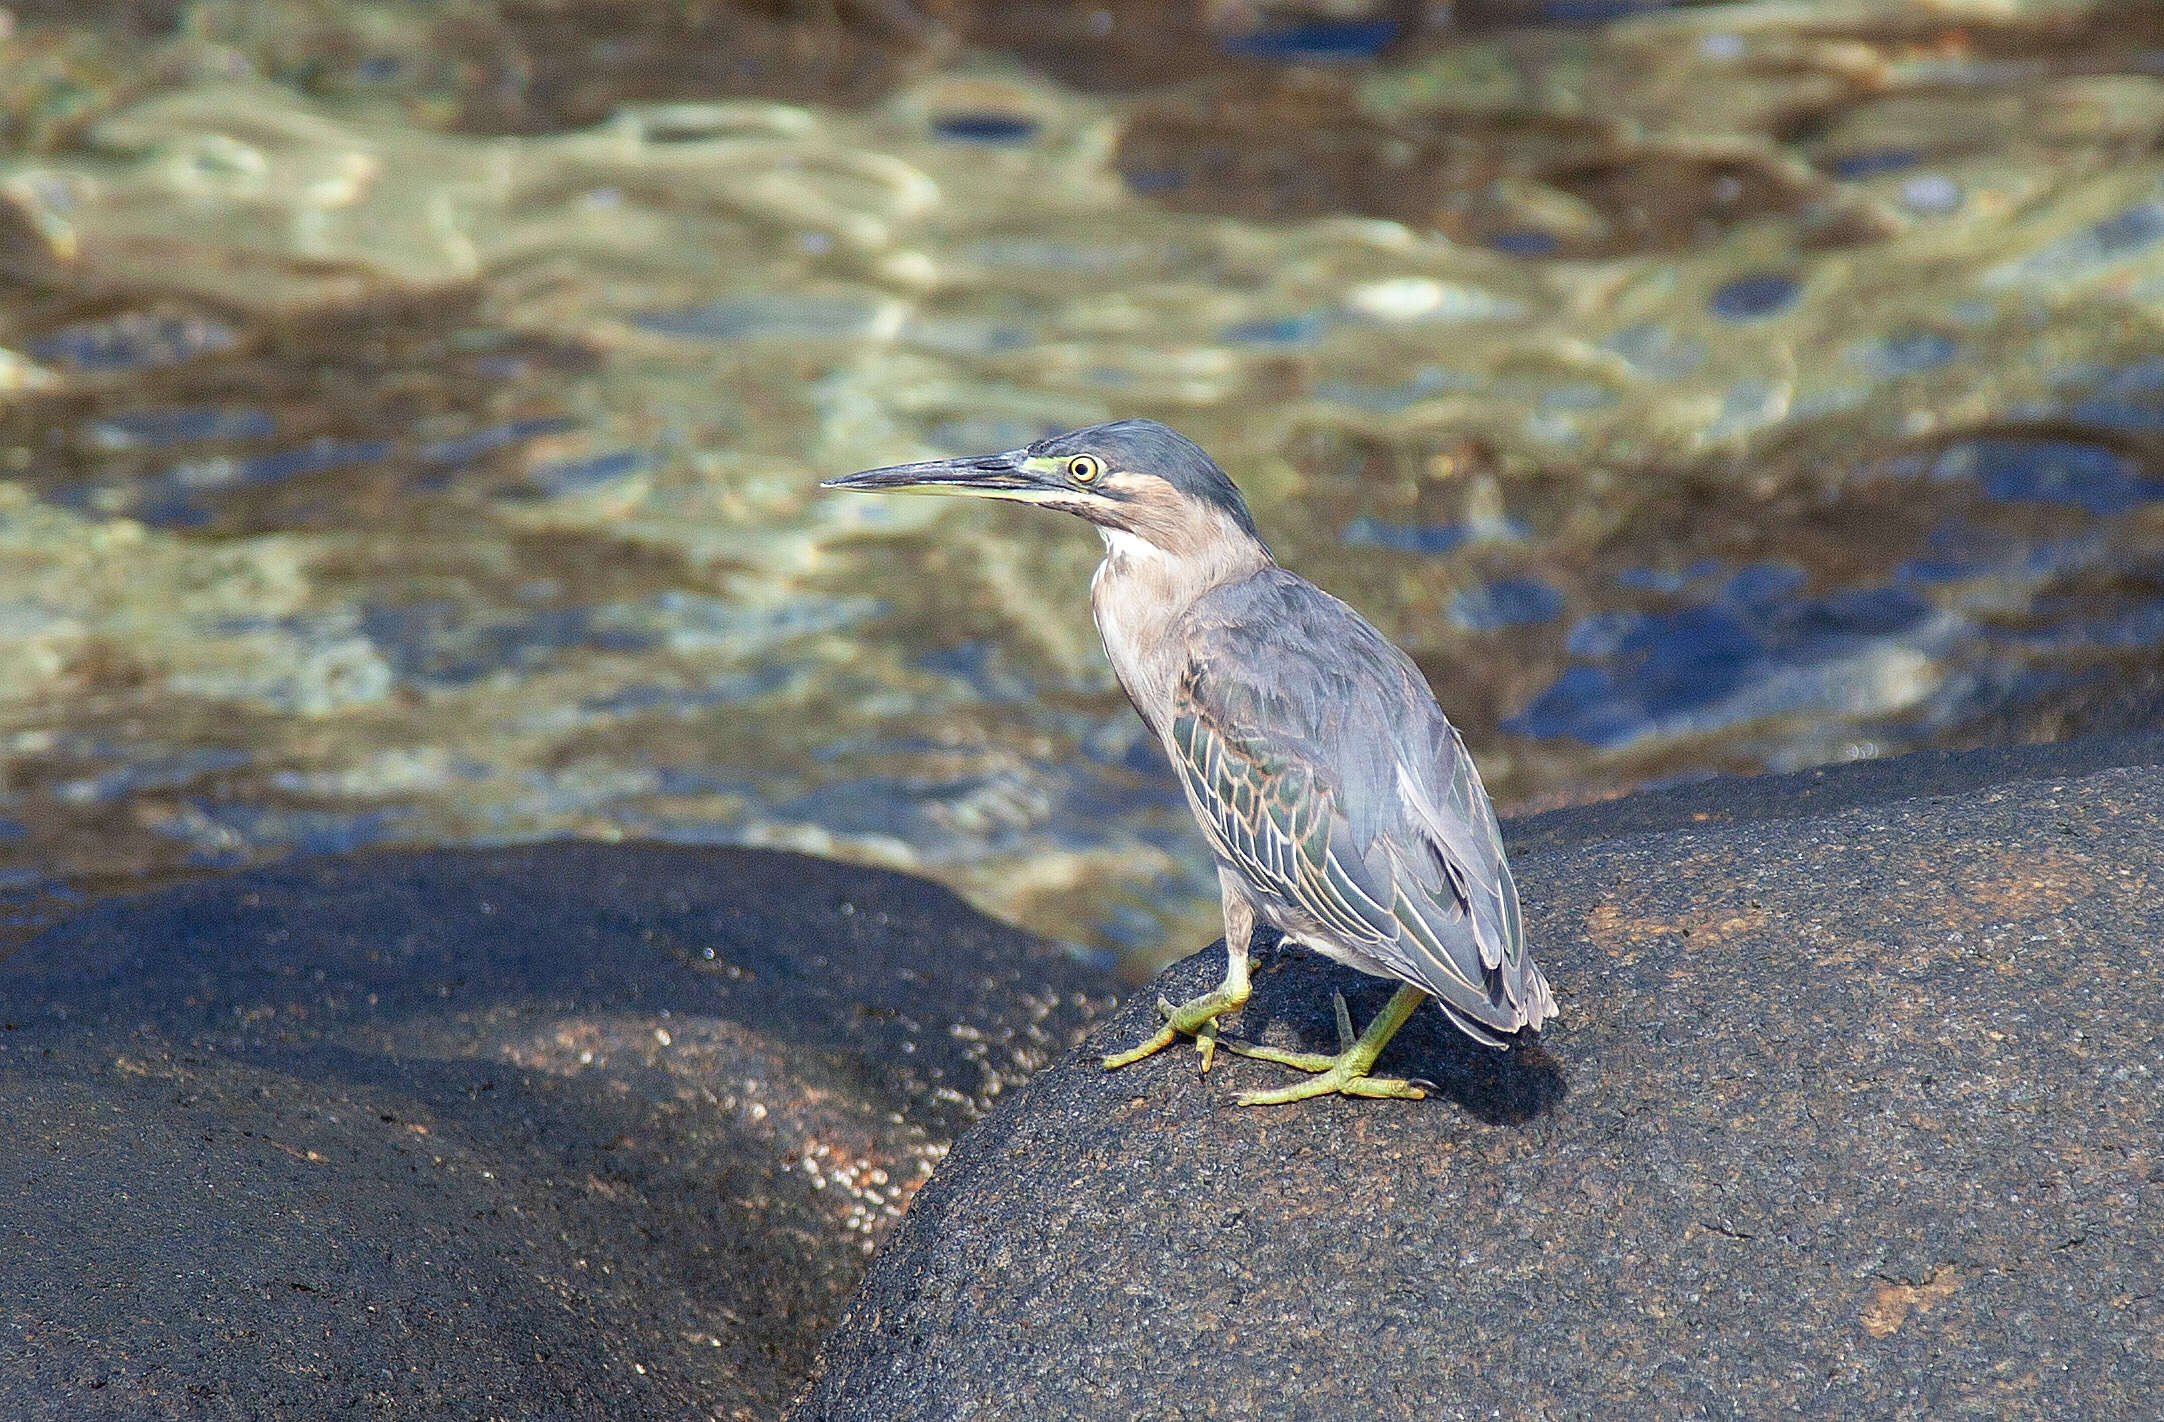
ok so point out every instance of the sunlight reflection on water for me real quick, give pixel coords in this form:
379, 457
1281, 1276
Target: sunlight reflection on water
378, 480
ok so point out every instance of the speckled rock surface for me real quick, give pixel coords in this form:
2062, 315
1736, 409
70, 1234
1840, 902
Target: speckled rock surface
1855, 1115
1826, 789
568, 1131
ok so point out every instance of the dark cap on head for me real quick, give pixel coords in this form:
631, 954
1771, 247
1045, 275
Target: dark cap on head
1134, 476
1147, 447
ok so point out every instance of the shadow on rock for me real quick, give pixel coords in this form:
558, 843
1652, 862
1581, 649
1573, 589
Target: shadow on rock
1292, 1008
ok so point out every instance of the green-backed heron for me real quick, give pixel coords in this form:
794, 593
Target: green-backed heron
1342, 806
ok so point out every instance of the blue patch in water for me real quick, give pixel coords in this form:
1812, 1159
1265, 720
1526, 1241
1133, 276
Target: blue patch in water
2143, 377
1507, 602
1586, 704
1316, 42
1146, 181
2138, 628
717, 780
1657, 350
2042, 471
161, 429
992, 128
2118, 413
133, 342
218, 826
1577, 395
1524, 242
1873, 161
1906, 353
1661, 580
1755, 297
470, 447
2128, 398
1390, 399
12, 833
1599, 634
2125, 233
979, 665
561, 478
746, 318
161, 773
2101, 244
1762, 586
186, 495
1697, 668
1939, 570
444, 644
316, 458
722, 689
1278, 330
892, 806
1365, 532
1593, 12
1857, 612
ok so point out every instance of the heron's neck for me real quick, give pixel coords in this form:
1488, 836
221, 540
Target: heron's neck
1168, 581
1140, 593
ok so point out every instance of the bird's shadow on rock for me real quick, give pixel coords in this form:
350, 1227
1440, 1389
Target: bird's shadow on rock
1292, 1007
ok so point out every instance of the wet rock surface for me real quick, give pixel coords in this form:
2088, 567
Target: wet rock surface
1847, 1115
566, 1131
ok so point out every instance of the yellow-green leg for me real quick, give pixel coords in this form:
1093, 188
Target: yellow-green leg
1197, 1017
1347, 1072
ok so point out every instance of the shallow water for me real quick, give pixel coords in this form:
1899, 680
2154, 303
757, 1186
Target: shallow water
413, 423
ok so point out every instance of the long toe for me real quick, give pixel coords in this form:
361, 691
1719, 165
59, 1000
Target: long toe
1162, 1038
1338, 1081
1196, 1017
1305, 1061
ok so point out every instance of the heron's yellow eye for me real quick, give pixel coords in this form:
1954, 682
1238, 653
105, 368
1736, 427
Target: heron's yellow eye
1083, 469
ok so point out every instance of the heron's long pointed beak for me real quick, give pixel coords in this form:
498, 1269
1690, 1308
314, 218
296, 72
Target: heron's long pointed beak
990, 476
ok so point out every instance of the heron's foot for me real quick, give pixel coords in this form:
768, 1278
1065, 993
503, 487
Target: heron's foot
1196, 1018
1346, 1073
1343, 1077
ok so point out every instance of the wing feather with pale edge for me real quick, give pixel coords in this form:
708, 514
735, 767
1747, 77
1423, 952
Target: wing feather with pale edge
1266, 752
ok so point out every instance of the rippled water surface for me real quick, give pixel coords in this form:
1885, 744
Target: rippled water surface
412, 416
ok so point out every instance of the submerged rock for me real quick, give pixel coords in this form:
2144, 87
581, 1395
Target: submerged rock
1854, 1114
565, 1131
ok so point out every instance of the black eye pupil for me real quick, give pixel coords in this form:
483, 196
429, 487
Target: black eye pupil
1084, 469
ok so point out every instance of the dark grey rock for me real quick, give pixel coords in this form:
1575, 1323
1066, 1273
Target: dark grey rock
567, 1131
1855, 1115
1824, 789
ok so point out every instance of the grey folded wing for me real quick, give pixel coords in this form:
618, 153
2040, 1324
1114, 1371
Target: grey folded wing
1335, 785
